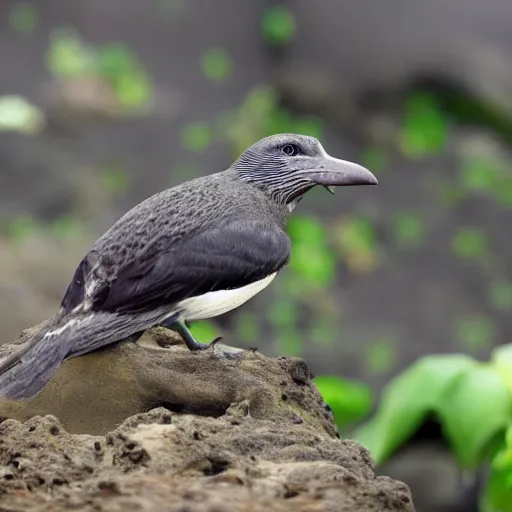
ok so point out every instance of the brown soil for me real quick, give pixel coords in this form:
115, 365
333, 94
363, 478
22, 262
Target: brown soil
209, 432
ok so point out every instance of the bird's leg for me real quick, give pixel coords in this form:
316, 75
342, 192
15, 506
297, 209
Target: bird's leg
182, 329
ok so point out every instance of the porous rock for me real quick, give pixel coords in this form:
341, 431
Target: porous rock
215, 431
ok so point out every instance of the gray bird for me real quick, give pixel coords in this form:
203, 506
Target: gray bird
191, 252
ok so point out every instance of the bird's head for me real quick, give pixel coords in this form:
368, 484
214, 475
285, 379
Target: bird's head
286, 166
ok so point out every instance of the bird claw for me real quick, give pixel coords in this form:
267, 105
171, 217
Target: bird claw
206, 346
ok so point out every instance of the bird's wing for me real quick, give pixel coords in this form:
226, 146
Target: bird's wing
223, 257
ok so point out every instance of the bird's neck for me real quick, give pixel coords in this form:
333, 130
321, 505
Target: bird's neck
259, 197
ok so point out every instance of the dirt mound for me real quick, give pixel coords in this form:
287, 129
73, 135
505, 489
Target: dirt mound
210, 432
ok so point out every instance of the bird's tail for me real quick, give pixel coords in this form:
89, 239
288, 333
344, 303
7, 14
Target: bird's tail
24, 373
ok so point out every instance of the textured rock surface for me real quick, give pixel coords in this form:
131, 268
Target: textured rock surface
214, 431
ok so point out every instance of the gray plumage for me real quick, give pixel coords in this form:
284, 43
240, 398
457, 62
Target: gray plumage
183, 254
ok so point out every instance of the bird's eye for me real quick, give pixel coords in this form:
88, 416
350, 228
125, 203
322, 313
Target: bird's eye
291, 150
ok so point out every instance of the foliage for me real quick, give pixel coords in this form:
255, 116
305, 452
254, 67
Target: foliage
278, 25
311, 257
204, 331
261, 114
470, 243
69, 57
355, 239
425, 127
216, 64
350, 401
23, 227
471, 400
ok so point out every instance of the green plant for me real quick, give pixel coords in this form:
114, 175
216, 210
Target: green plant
261, 114
356, 241
69, 57
278, 25
204, 331
216, 64
470, 244
311, 257
349, 400
425, 127
471, 400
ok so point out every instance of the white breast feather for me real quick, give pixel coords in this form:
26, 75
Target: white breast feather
212, 304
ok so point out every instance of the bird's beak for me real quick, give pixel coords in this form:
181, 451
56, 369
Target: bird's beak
331, 172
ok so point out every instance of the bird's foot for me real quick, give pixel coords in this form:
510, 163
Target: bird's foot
203, 346
183, 330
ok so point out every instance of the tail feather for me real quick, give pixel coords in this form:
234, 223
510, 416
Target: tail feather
26, 372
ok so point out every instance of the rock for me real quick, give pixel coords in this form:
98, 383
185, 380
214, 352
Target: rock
214, 431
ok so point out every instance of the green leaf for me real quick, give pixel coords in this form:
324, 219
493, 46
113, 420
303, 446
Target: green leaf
216, 64
197, 136
203, 331
425, 127
501, 360
115, 60
356, 240
316, 264
133, 89
278, 25
68, 56
497, 494
407, 401
479, 175
311, 257
306, 229
472, 411
470, 244
407, 228
350, 400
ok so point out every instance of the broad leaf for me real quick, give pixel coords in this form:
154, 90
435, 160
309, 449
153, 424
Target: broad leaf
350, 401
502, 361
497, 495
472, 411
407, 400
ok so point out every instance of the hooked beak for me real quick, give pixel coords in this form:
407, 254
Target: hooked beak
332, 172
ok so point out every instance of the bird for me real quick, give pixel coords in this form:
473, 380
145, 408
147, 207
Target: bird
191, 252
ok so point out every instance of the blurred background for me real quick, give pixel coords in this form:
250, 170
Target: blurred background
104, 103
